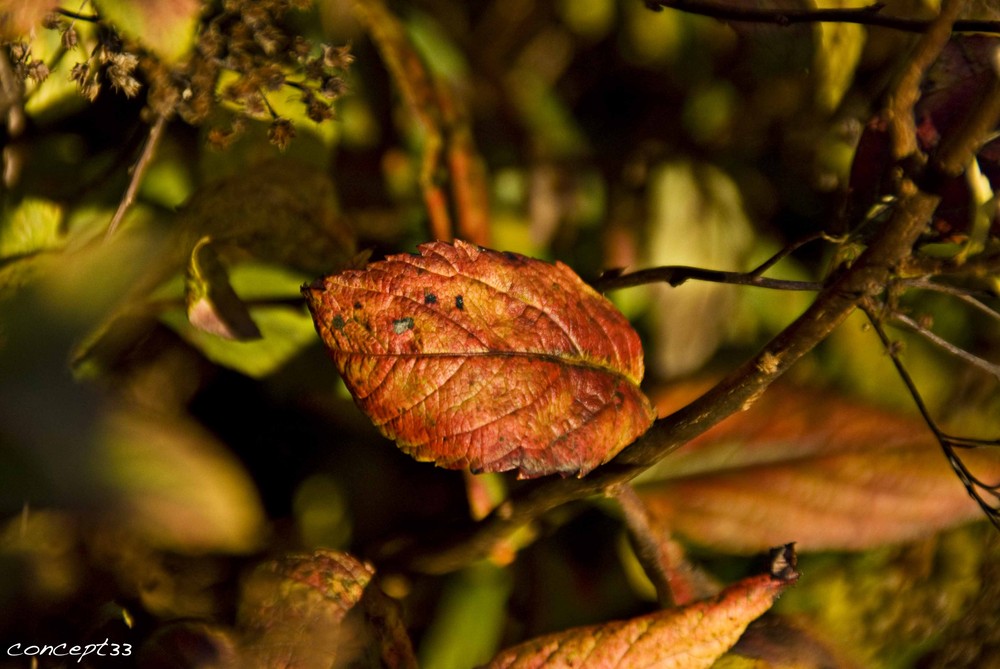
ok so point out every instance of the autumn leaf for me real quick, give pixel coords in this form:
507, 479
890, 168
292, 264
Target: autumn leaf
688, 637
293, 609
296, 612
493, 361
814, 468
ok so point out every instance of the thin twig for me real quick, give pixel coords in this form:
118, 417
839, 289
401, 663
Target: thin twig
962, 294
138, 173
970, 481
675, 275
870, 15
972, 442
793, 247
945, 345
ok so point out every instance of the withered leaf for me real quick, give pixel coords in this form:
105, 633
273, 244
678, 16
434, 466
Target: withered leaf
469, 357
688, 637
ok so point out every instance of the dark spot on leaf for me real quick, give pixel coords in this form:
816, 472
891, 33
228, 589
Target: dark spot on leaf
430, 298
459, 302
401, 325
357, 305
338, 322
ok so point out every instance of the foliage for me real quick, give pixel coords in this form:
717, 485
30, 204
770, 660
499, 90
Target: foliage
803, 191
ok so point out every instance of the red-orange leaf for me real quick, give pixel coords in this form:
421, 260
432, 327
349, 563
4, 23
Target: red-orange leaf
493, 361
690, 637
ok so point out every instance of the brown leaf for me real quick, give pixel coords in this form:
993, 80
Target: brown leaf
683, 638
817, 469
493, 361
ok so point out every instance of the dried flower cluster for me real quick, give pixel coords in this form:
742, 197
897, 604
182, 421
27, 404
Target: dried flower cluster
244, 44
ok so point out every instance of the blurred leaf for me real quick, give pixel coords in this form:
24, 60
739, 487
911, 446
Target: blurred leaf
166, 27
696, 218
469, 619
19, 18
172, 484
212, 304
278, 211
688, 637
294, 609
883, 606
272, 228
820, 470
32, 225
776, 642
490, 361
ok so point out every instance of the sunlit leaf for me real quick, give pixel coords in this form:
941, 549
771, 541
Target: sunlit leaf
166, 27
817, 469
32, 225
493, 361
689, 637
685, 198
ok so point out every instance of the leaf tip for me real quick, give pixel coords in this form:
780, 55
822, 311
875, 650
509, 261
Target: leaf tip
783, 563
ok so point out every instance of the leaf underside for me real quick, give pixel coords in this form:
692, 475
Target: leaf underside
469, 357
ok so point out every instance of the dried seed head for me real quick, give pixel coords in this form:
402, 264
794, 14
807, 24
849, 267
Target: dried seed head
281, 133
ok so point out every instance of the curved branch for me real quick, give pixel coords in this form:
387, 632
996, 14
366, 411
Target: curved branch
865, 279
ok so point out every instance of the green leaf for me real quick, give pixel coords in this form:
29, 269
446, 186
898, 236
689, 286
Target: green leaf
166, 27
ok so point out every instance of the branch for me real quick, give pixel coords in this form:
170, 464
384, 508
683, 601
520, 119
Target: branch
870, 15
138, 173
865, 279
